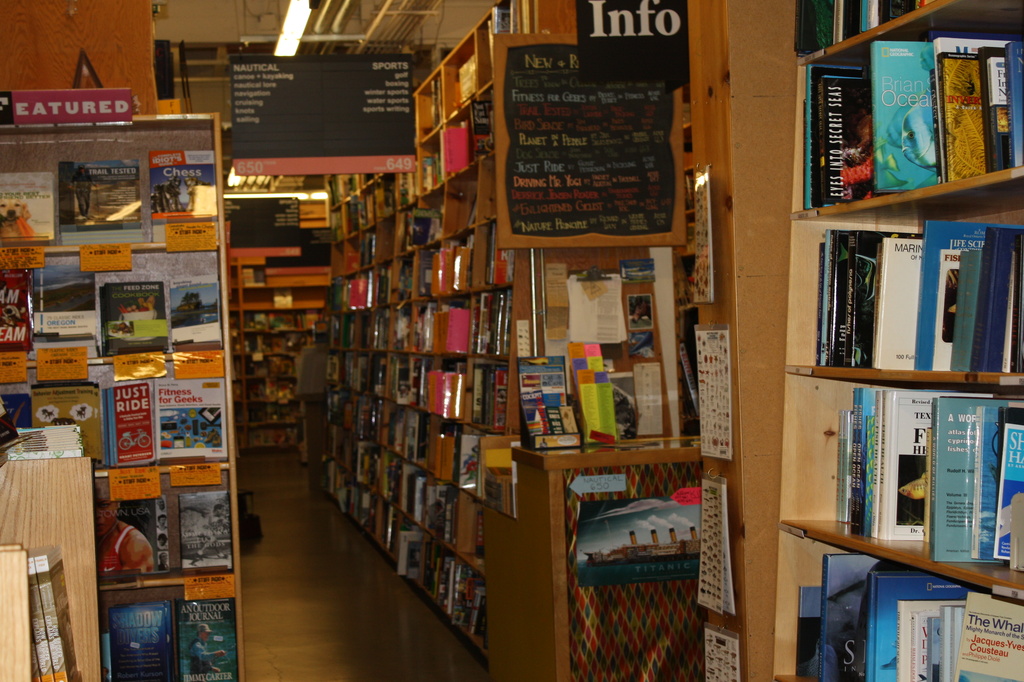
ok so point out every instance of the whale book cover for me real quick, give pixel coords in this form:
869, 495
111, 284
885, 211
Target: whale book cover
904, 123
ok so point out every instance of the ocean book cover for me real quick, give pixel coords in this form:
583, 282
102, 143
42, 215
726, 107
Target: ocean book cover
902, 117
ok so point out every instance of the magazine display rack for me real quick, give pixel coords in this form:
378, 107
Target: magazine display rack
814, 395
31, 522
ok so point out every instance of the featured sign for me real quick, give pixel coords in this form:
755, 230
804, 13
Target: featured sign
655, 34
49, 107
322, 114
601, 162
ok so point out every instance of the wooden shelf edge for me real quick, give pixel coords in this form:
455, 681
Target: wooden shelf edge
909, 376
163, 468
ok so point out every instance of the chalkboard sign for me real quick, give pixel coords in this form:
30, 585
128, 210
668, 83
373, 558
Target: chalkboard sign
583, 164
269, 228
322, 114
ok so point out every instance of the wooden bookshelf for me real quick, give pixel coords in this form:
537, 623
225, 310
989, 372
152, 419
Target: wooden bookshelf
814, 395
15, 652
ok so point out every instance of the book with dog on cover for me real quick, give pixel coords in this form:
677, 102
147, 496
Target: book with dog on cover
27, 203
99, 202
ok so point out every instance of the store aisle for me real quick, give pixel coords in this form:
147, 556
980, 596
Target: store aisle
320, 603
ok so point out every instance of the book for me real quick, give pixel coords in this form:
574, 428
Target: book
836, 301
15, 310
53, 600
968, 282
896, 303
846, 147
42, 666
27, 202
195, 313
204, 527
808, 630
207, 639
843, 630
133, 317
995, 117
814, 24
131, 537
993, 298
913, 654
1011, 475
886, 588
901, 479
128, 416
78, 401
456, 147
958, 78
48, 442
190, 418
182, 184
813, 75
942, 242
1015, 99
862, 276
952, 472
902, 118
64, 305
992, 640
141, 645
99, 202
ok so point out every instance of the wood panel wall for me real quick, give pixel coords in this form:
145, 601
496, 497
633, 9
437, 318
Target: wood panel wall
43, 38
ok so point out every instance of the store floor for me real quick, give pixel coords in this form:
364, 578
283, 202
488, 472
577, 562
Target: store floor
320, 603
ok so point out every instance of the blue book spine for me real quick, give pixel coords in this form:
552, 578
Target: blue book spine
856, 505
987, 482
1011, 479
885, 590
1015, 99
868, 442
952, 474
141, 646
966, 310
993, 293
939, 236
902, 118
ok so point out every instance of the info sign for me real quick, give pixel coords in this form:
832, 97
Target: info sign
322, 114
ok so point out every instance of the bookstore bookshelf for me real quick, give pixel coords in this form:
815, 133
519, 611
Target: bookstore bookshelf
815, 394
170, 455
272, 320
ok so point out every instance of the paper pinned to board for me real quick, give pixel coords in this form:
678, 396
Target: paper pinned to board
599, 319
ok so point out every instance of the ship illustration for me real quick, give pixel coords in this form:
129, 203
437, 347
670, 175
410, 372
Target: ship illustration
654, 551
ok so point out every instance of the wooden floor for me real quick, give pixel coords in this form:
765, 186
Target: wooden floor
320, 603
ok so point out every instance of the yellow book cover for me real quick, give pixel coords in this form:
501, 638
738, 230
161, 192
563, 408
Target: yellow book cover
964, 153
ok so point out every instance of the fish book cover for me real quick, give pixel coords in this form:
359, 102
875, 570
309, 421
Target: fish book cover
141, 645
27, 208
15, 310
204, 526
991, 640
207, 643
904, 124
99, 202
846, 140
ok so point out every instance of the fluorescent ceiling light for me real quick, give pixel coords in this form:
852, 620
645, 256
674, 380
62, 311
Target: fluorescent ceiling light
320, 196
294, 27
301, 196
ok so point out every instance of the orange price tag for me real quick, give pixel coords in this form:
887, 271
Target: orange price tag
62, 364
218, 586
139, 366
22, 257
188, 475
191, 237
205, 364
137, 483
13, 368
105, 257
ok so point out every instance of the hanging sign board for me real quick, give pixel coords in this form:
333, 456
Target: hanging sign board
583, 164
269, 228
322, 114
654, 33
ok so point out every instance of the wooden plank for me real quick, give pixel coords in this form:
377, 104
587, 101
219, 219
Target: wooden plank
49, 502
15, 651
42, 40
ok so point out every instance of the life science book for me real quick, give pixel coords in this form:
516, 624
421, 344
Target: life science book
209, 656
141, 643
195, 313
190, 419
904, 124
27, 208
99, 202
